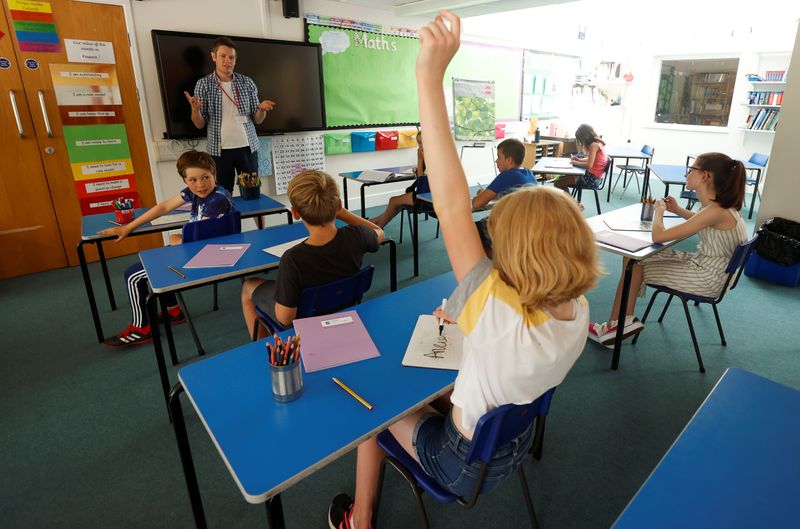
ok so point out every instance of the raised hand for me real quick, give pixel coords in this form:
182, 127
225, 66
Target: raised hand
266, 105
438, 44
194, 101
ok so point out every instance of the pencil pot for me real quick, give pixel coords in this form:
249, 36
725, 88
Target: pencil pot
124, 216
647, 211
287, 381
250, 192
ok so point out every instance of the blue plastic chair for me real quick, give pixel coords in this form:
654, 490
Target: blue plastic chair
493, 430
733, 270
761, 160
632, 171
577, 190
323, 299
199, 231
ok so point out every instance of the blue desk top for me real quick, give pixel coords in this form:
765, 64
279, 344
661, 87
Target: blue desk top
354, 175
91, 224
156, 261
548, 165
669, 174
267, 446
735, 465
626, 151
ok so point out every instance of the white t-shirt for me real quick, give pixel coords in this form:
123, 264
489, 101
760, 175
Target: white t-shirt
511, 355
232, 132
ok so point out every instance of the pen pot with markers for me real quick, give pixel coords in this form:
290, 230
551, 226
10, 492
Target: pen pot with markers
648, 209
124, 216
287, 381
249, 186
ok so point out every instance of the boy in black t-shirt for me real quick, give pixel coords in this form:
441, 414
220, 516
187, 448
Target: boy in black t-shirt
329, 253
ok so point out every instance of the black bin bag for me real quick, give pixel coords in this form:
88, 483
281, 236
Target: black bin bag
779, 241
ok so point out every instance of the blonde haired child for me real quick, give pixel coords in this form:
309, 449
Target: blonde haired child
524, 315
328, 254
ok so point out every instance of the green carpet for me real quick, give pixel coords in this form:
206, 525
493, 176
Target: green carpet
86, 441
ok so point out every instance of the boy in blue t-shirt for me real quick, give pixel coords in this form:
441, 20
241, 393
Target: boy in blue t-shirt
510, 154
209, 201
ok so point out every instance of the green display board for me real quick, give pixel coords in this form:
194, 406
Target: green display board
369, 77
490, 63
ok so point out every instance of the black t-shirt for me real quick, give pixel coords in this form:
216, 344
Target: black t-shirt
306, 266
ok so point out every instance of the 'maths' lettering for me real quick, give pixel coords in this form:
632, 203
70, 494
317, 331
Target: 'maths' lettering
374, 43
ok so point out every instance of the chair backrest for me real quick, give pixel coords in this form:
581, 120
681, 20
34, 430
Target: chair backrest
499, 426
737, 262
759, 159
336, 295
648, 150
208, 228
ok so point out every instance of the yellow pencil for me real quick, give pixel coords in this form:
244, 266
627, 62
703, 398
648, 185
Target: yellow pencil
352, 393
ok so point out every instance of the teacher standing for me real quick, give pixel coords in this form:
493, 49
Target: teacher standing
227, 103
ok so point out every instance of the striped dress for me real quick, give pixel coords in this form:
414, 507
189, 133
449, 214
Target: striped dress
701, 272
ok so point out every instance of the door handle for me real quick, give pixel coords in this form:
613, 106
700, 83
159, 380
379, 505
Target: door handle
47, 127
13, 98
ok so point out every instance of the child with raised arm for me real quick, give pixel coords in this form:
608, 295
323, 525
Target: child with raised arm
208, 200
420, 185
329, 253
593, 158
522, 315
719, 183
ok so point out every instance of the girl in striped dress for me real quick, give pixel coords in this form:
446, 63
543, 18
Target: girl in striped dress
719, 183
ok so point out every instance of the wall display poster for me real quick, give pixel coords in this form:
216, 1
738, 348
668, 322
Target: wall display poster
92, 121
292, 155
264, 156
34, 25
473, 109
94, 51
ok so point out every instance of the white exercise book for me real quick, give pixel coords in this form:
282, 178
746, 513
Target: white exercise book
371, 175
427, 349
279, 249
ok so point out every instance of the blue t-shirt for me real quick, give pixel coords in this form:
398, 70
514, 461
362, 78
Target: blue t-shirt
511, 179
215, 205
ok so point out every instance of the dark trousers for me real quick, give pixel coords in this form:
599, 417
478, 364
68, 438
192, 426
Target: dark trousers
138, 289
232, 160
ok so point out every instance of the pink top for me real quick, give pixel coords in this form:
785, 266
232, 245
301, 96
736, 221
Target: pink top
600, 161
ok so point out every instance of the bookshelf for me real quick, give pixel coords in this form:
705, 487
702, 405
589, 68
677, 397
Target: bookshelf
709, 101
764, 102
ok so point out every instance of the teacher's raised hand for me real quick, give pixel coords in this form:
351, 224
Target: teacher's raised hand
266, 105
194, 101
439, 44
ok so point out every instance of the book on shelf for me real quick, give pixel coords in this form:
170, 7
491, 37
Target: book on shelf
774, 75
765, 98
763, 119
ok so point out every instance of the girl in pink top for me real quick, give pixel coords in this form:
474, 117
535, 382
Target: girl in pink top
594, 159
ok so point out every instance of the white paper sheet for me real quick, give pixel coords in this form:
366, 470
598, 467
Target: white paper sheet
427, 349
279, 249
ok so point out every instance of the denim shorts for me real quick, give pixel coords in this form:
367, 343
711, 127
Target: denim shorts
442, 452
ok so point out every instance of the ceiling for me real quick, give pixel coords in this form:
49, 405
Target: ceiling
463, 8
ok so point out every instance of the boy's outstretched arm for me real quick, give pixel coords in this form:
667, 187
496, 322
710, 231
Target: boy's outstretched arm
153, 213
451, 199
352, 219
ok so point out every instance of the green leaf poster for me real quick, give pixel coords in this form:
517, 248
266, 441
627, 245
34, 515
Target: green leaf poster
473, 109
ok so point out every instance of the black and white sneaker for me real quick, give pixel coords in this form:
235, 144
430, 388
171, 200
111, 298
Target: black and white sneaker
130, 336
340, 511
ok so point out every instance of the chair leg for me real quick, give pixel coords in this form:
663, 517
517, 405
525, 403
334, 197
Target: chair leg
526, 492
538, 438
216, 300
414, 488
694, 337
597, 201
190, 323
719, 325
437, 228
401, 225
646, 313
664, 311
620, 176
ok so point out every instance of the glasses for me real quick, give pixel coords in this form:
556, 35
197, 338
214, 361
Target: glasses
693, 168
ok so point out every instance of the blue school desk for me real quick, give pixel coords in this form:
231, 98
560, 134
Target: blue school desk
736, 464
91, 224
355, 175
628, 153
232, 395
626, 214
549, 166
162, 280
669, 175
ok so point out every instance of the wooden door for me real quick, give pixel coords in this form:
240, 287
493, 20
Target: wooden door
84, 21
30, 239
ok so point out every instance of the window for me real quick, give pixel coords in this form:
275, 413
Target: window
696, 91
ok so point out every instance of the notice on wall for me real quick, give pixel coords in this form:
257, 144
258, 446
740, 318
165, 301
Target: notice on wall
34, 25
87, 93
291, 155
473, 109
264, 156
94, 51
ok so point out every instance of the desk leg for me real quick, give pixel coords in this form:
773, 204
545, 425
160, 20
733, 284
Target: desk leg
87, 282
610, 178
363, 203
415, 239
392, 264
646, 183
275, 513
152, 313
344, 190
185, 451
173, 355
104, 266
623, 308
289, 218
755, 192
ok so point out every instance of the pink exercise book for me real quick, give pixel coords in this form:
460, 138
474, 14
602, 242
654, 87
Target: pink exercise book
214, 255
333, 340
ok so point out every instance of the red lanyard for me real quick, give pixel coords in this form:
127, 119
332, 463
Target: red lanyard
235, 89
